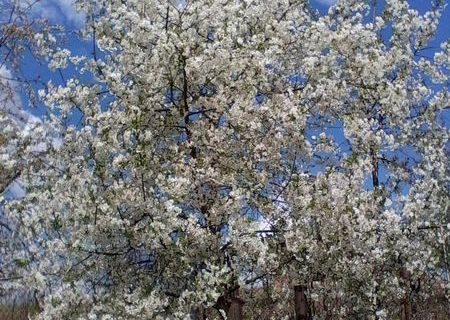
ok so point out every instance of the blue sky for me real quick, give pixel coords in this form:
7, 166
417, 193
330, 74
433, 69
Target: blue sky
59, 11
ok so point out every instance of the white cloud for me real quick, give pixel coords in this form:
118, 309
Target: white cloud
327, 2
59, 11
10, 102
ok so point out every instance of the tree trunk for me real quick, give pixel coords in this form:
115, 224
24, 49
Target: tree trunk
407, 310
232, 304
301, 303
235, 309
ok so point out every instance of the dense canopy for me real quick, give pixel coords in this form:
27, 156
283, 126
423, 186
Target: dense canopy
219, 145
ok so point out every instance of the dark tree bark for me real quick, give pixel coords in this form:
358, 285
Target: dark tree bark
301, 303
235, 309
407, 309
232, 304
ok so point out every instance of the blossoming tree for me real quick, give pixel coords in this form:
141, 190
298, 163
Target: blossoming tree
225, 144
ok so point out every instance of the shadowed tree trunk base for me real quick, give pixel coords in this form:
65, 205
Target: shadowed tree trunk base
301, 303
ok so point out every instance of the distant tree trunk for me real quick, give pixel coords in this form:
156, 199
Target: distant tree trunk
232, 304
301, 303
235, 309
236, 306
407, 310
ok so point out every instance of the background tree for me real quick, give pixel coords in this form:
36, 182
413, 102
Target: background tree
22, 34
